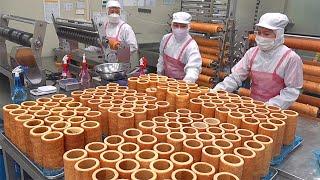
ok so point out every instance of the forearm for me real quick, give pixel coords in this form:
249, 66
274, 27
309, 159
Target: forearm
192, 75
230, 83
286, 98
133, 48
160, 67
93, 49
239, 73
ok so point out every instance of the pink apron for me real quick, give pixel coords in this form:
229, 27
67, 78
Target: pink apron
118, 33
174, 68
123, 54
264, 85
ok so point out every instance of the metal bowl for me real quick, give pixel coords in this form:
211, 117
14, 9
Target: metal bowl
112, 71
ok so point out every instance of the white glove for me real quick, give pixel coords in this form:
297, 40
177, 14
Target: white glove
215, 89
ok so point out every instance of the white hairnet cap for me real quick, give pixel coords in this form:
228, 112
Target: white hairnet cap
181, 17
113, 3
273, 21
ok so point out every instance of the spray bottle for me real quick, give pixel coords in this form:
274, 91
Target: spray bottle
19, 93
143, 63
84, 76
65, 67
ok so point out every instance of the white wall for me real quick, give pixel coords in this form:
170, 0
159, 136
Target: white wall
305, 15
151, 27
148, 27
244, 17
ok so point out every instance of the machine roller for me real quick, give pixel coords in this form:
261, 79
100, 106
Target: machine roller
28, 51
74, 34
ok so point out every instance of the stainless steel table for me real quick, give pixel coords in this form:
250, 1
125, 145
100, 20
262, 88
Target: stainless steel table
27, 169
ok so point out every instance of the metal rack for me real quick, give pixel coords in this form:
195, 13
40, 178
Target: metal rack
216, 12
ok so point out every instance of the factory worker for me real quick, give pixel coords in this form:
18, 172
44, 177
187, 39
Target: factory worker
275, 70
179, 53
117, 29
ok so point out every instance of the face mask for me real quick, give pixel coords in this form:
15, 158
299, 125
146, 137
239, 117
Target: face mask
265, 44
180, 34
114, 18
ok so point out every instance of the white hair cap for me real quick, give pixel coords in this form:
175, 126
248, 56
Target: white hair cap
113, 3
181, 17
273, 21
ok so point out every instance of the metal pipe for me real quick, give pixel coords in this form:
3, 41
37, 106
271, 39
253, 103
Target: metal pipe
19, 19
302, 36
197, 34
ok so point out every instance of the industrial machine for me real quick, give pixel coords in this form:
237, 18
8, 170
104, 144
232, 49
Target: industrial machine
27, 53
74, 36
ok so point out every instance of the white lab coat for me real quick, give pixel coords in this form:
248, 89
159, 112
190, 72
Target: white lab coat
191, 57
126, 34
291, 70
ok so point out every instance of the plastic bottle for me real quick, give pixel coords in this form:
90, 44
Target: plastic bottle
19, 94
143, 63
84, 76
65, 68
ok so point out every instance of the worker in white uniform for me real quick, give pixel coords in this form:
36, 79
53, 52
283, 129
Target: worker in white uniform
275, 70
117, 29
179, 53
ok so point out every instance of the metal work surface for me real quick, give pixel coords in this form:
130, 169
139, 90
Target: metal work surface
301, 162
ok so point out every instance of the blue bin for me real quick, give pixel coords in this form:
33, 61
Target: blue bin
17, 171
2, 169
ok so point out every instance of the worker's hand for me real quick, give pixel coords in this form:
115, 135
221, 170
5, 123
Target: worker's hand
92, 49
114, 44
215, 89
160, 73
188, 81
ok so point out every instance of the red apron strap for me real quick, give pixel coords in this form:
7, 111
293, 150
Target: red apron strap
184, 47
118, 33
106, 27
166, 43
255, 53
281, 60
